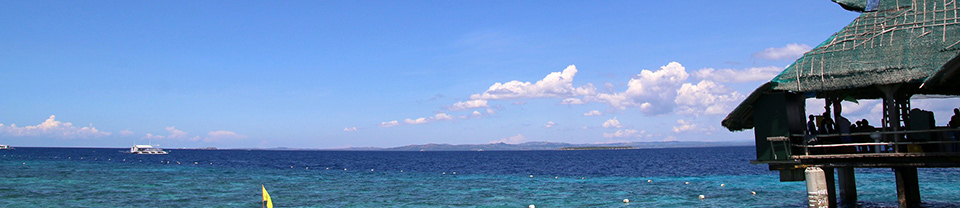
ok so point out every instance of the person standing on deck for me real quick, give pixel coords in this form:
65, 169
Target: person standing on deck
811, 129
955, 123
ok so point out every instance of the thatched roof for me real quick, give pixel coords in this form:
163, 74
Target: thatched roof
912, 42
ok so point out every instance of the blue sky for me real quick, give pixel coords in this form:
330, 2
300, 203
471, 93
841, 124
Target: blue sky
330, 74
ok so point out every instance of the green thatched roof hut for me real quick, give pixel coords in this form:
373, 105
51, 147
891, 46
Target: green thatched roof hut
912, 44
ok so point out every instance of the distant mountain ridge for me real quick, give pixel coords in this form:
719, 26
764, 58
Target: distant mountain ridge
550, 146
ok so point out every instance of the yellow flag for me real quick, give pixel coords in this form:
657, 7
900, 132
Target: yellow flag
266, 198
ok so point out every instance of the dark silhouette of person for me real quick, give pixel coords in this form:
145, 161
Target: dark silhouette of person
955, 123
827, 126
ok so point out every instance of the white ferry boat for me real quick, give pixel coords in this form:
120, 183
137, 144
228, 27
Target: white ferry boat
3, 146
146, 150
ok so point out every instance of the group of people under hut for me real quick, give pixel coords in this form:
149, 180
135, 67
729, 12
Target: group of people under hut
841, 131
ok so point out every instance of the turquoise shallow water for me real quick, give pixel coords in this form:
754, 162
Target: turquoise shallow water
58, 177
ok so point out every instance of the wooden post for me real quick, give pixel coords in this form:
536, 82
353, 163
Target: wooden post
817, 194
908, 187
831, 186
848, 186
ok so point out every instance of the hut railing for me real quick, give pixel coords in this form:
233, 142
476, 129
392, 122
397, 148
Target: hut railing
938, 140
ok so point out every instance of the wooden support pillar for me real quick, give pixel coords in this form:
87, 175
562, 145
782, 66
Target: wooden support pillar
908, 187
817, 194
831, 186
848, 186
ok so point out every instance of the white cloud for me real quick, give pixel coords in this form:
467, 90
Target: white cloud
622, 133
519, 138
490, 111
593, 113
151, 136
652, 91
468, 105
555, 84
126, 132
522, 102
684, 126
389, 123
417, 121
612, 123
443, 117
571, 101
705, 97
549, 124
220, 136
790, 51
350, 129
737, 76
175, 133
52, 128
476, 114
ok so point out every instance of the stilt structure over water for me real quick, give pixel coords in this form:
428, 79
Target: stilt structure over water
897, 50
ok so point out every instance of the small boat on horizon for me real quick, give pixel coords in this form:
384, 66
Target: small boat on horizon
3, 146
145, 150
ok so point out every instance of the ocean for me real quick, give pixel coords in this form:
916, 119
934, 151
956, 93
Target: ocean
102, 177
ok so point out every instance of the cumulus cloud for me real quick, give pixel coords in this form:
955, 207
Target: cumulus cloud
464, 105
549, 124
389, 123
622, 133
705, 97
417, 121
593, 113
790, 51
173, 133
220, 136
476, 114
612, 123
737, 76
519, 138
651, 91
126, 132
350, 129
684, 126
571, 101
52, 128
555, 84
443, 117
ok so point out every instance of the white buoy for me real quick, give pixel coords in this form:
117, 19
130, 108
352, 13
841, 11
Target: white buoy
531, 206
626, 201
344, 169
649, 181
401, 171
327, 169
444, 173
211, 163
753, 192
291, 167
454, 172
531, 176
688, 183
196, 163
582, 178
722, 185
556, 177
308, 168
371, 170
701, 197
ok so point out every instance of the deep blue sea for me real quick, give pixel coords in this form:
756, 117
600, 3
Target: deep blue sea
100, 177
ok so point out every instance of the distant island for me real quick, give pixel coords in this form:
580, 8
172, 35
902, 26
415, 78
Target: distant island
598, 148
552, 146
